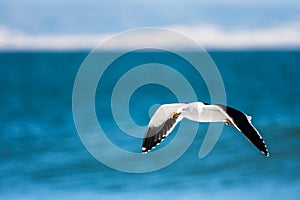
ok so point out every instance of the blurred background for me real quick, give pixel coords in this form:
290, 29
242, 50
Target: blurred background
255, 45
76, 24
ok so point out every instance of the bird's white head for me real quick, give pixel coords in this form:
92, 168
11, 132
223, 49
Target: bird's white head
191, 110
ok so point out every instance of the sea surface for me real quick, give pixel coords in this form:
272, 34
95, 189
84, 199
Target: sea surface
42, 156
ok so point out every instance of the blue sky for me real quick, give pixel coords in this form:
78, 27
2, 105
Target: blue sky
77, 18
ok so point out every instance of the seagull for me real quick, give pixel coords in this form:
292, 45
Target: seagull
167, 116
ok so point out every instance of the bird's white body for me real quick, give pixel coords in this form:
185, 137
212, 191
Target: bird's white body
199, 112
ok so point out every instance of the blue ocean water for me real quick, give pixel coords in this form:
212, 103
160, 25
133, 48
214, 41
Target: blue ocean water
42, 156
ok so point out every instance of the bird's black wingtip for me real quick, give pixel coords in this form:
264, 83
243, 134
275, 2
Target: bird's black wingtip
265, 150
266, 153
144, 150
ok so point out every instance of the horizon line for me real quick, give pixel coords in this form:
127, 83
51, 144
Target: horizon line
209, 36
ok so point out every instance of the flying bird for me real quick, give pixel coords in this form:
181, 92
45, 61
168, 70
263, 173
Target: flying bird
167, 116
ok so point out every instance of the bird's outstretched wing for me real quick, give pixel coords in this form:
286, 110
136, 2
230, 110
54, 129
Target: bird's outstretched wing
239, 120
161, 124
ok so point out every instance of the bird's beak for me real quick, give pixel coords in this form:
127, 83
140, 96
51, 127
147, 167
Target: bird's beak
175, 115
